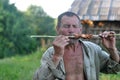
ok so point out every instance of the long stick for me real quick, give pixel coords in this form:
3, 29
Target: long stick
85, 36
45, 36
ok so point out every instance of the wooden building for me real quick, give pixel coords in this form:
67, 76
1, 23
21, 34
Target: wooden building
98, 15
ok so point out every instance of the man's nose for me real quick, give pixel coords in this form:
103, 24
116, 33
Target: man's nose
71, 29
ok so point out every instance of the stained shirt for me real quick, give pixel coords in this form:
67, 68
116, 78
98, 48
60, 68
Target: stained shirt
96, 60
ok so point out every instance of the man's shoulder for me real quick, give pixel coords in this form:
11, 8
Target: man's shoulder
50, 48
49, 51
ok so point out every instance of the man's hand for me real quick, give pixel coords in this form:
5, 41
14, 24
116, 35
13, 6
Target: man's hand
109, 42
108, 39
59, 45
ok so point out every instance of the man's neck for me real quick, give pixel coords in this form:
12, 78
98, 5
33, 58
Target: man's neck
73, 45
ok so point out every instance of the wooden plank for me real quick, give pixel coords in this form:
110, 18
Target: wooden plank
103, 9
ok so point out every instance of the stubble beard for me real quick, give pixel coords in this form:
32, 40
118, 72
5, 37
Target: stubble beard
72, 40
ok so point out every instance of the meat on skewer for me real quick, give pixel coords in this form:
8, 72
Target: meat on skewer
89, 36
84, 36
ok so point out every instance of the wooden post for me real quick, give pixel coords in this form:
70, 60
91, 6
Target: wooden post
42, 43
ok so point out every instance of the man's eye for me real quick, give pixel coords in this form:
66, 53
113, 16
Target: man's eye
75, 26
66, 26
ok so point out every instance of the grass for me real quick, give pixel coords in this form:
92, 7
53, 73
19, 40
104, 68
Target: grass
110, 77
23, 67
20, 67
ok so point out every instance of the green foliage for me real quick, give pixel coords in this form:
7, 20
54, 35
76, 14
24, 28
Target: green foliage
14, 31
16, 28
20, 67
40, 21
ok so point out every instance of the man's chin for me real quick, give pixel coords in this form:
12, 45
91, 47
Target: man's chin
73, 41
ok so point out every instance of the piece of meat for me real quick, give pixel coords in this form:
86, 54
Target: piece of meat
84, 36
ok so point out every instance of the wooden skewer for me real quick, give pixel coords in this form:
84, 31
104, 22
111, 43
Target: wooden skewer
77, 36
89, 36
46, 36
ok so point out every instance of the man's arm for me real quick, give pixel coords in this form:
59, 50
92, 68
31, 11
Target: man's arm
112, 64
114, 55
48, 70
109, 43
44, 73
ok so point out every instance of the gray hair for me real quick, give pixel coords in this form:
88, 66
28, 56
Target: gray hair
70, 14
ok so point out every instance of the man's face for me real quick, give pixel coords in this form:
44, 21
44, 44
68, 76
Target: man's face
69, 26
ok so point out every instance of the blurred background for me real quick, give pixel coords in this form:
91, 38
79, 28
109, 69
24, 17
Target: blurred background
19, 19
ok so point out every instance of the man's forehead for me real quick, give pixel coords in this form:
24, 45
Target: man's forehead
65, 16
68, 18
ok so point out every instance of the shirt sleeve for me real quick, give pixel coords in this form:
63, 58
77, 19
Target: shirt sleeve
107, 65
110, 66
47, 70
